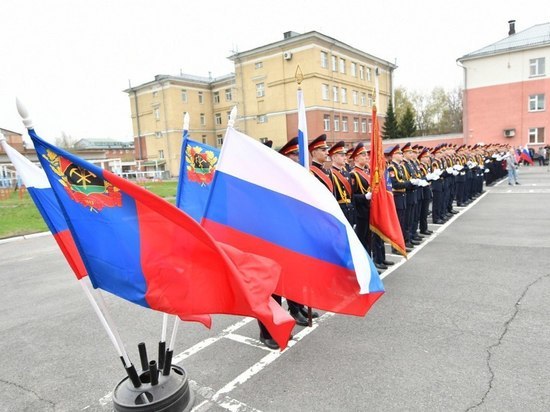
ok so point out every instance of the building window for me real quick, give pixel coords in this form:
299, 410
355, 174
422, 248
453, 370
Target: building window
228, 95
536, 135
218, 119
262, 118
157, 113
228, 116
344, 124
324, 60
344, 95
201, 98
536, 102
362, 72
536, 67
216, 97
355, 96
258, 65
336, 123
203, 119
260, 90
363, 126
324, 91
158, 134
326, 123
161, 154
353, 69
369, 74
356, 124
334, 61
371, 99
334, 93
219, 140
370, 125
204, 138
342, 66
184, 96
363, 99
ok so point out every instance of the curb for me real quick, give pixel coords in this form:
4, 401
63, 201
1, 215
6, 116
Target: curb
30, 236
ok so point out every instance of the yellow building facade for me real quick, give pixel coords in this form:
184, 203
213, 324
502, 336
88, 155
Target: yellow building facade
338, 83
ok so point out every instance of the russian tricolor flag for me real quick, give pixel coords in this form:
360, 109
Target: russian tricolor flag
266, 204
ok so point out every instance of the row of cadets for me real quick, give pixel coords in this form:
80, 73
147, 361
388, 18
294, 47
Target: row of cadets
360, 185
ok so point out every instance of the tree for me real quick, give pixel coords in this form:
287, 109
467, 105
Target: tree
402, 101
65, 141
407, 124
391, 128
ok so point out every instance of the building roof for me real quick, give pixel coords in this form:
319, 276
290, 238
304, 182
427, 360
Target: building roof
103, 144
206, 81
292, 37
535, 36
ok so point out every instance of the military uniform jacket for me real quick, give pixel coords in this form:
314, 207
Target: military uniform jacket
399, 184
323, 175
410, 173
342, 185
426, 190
360, 185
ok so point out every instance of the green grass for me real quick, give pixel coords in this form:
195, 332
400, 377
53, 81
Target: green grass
19, 216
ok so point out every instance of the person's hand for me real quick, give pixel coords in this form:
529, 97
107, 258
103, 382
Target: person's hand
368, 195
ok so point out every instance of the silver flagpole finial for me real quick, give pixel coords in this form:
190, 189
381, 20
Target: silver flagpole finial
186, 121
232, 117
24, 113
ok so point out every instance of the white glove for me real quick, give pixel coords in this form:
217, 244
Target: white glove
455, 173
438, 172
424, 183
462, 173
486, 170
458, 167
368, 195
488, 161
449, 170
494, 156
472, 165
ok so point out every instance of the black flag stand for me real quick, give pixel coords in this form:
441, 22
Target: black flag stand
156, 387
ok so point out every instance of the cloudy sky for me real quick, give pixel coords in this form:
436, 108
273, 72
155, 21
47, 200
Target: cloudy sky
69, 60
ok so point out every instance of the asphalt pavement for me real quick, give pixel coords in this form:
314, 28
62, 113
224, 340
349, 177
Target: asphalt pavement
463, 326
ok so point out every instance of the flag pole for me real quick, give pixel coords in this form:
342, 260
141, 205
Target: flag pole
170, 352
302, 144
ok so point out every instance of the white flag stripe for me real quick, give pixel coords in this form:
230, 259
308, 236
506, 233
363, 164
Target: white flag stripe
31, 175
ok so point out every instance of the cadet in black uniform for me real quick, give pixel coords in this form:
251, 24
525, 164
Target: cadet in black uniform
318, 150
399, 187
340, 180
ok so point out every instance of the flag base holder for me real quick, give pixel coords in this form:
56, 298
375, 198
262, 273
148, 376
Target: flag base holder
171, 394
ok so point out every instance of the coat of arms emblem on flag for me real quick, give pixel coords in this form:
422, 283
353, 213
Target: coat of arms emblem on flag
200, 164
83, 186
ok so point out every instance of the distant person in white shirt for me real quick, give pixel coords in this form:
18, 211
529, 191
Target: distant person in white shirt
511, 166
